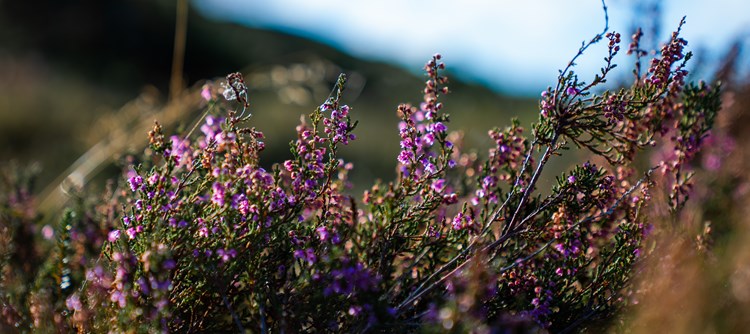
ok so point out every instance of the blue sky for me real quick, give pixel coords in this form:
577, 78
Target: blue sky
511, 46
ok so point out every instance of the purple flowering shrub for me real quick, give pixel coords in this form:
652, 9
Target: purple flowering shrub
201, 238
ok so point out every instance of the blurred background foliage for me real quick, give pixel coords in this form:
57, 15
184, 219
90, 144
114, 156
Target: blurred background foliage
68, 68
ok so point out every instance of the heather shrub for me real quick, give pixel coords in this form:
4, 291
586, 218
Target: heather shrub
698, 261
199, 237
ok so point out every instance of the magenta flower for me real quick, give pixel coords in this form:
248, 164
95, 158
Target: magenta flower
429, 167
322, 233
206, 92
406, 157
74, 302
226, 255
572, 91
131, 232
113, 235
438, 185
218, 193
135, 182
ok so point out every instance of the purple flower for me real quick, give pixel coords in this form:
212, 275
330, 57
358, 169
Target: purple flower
407, 143
206, 92
572, 91
571, 179
405, 157
430, 168
299, 254
135, 182
310, 255
458, 221
119, 298
218, 193
325, 106
429, 139
203, 232
354, 310
113, 235
322, 233
169, 264
489, 182
131, 232
351, 279
337, 127
226, 255
438, 185
439, 127
153, 179
74, 302
306, 255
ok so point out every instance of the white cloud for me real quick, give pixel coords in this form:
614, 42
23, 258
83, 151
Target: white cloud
512, 45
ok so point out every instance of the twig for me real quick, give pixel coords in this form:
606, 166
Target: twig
178, 56
607, 213
534, 178
582, 49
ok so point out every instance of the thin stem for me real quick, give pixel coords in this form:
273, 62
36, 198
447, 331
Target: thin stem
526, 161
541, 208
534, 178
262, 310
421, 290
607, 213
178, 57
582, 49
231, 311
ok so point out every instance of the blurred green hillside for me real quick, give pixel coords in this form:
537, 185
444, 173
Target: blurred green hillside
66, 68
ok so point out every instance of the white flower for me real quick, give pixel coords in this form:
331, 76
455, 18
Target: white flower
228, 92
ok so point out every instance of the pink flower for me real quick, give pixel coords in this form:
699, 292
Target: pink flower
438, 185
206, 93
572, 91
74, 303
322, 233
113, 235
48, 232
131, 232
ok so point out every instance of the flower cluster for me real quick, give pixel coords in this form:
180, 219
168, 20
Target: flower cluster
421, 129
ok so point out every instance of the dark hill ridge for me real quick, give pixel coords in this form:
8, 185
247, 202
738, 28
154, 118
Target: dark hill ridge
79, 59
